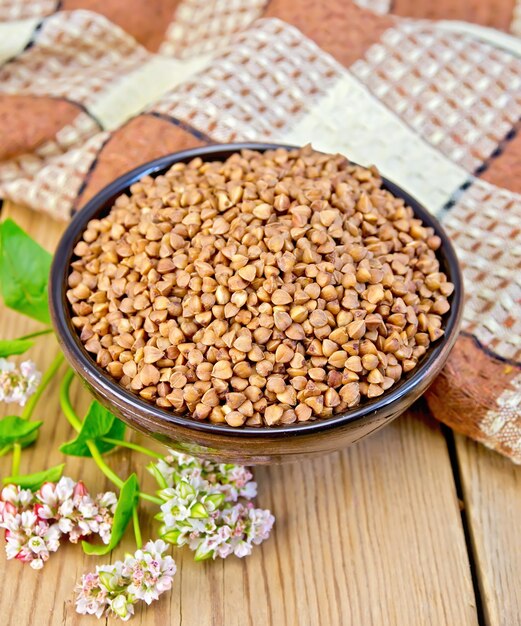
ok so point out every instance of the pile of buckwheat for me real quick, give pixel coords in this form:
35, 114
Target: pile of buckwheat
269, 289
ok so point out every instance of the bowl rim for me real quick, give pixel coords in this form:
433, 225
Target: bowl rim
83, 363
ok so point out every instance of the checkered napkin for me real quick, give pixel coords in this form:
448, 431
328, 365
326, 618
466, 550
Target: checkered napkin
90, 89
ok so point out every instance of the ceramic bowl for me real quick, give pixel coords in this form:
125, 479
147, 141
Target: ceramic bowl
249, 445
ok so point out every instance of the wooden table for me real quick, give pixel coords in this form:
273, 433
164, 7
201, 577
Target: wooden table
410, 527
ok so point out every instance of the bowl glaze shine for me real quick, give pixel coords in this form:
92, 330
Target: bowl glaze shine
249, 445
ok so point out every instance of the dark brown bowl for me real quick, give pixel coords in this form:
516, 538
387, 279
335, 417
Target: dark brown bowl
251, 445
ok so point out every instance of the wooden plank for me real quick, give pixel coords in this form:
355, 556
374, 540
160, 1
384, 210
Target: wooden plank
491, 487
371, 535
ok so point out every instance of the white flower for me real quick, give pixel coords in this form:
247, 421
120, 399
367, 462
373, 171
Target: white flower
91, 596
233, 481
121, 607
208, 506
21, 498
65, 488
107, 500
30, 539
6, 366
77, 513
37, 563
106, 503
17, 385
242, 549
37, 545
36, 522
65, 509
249, 491
260, 524
52, 537
151, 573
111, 576
104, 531
230, 529
115, 589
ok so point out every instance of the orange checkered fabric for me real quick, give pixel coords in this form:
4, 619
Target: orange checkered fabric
428, 92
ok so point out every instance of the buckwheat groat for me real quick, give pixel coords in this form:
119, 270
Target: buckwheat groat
268, 289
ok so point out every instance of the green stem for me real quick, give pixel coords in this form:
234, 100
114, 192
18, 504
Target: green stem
17, 455
46, 379
149, 498
65, 401
137, 529
5, 450
75, 422
112, 476
100, 462
38, 333
132, 446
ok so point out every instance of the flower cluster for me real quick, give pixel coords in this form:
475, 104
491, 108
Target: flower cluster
35, 523
208, 507
115, 589
18, 384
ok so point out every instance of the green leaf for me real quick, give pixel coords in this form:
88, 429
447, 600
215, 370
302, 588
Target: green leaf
98, 423
24, 272
36, 480
128, 497
16, 346
29, 439
14, 428
25, 442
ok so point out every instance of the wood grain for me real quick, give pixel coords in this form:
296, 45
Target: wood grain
368, 536
492, 491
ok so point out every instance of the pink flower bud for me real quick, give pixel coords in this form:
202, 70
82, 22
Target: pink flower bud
80, 489
23, 556
39, 510
7, 508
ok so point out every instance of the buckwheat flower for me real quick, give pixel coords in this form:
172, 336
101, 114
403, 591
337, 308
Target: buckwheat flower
30, 539
75, 511
237, 482
233, 481
238, 528
115, 589
13, 499
150, 572
209, 525
18, 384
91, 596
207, 506
6, 509
36, 522
188, 500
80, 513
112, 577
176, 466
121, 606
60, 501
106, 504
53, 495
260, 523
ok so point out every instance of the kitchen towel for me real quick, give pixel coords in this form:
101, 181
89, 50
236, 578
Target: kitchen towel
90, 89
